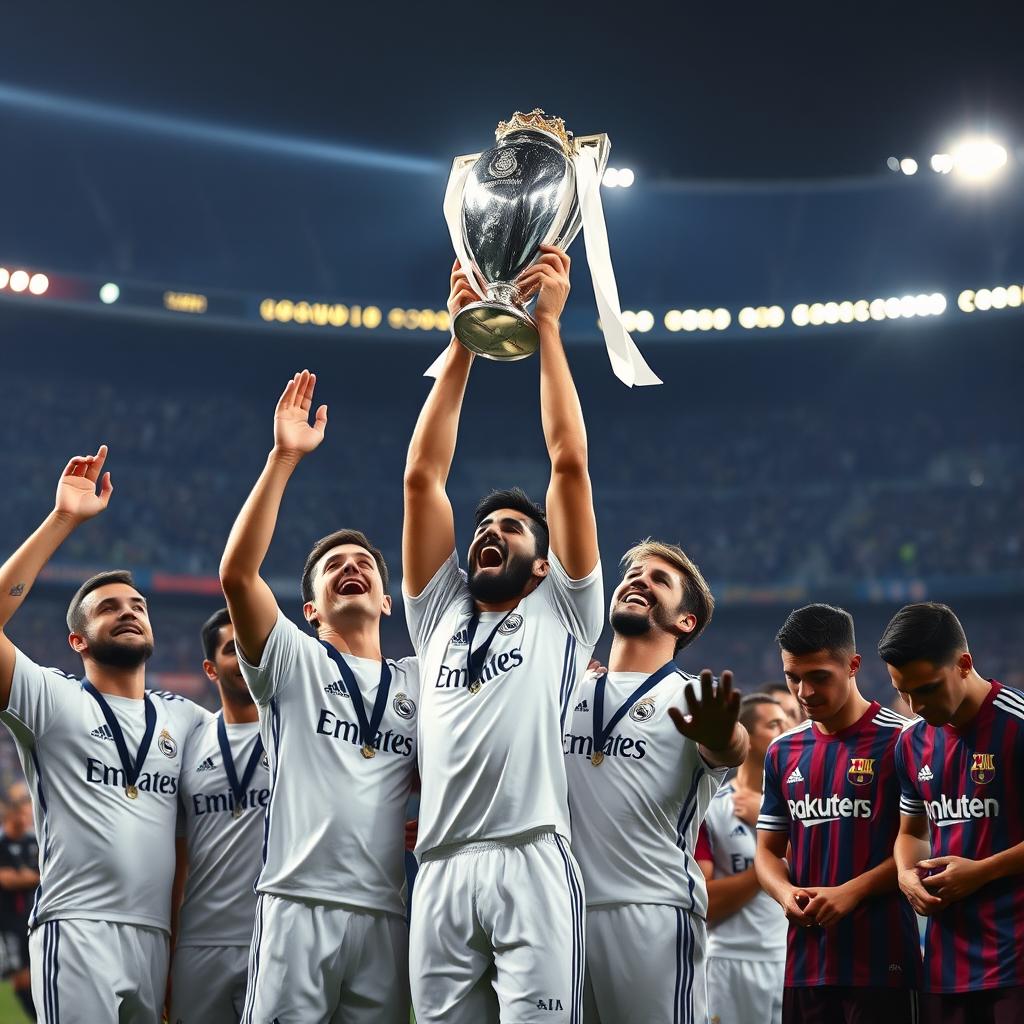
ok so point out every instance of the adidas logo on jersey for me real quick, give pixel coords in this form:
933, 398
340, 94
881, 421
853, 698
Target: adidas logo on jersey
583, 705
102, 733
795, 775
739, 830
206, 766
460, 639
337, 689
925, 774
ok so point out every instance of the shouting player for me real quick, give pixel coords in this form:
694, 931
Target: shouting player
960, 766
338, 720
641, 776
225, 788
831, 792
497, 920
746, 927
102, 756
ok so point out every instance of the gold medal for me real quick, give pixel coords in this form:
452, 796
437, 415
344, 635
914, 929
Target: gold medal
132, 792
368, 751
236, 811
596, 757
474, 687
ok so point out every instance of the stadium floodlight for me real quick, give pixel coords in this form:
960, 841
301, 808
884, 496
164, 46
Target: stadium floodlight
893, 163
611, 178
978, 159
626, 177
110, 293
908, 165
19, 281
644, 321
800, 315
748, 317
721, 319
5, 276
38, 283
942, 163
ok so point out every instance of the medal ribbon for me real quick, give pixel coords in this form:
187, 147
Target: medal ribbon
132, 769
475, 660
367, 726
602, 731
238, 789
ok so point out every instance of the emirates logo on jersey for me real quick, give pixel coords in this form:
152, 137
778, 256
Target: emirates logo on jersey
983, 768
861, 770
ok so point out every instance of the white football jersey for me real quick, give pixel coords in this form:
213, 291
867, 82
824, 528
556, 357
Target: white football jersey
102, 856
335, 823
636, 815
757, 931
225, 848
491, 761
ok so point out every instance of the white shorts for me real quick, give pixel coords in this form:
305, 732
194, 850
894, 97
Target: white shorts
208, 984
645, 965
498, 933
745, 991
314, 963
98, 972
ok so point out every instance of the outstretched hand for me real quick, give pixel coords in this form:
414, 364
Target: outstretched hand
548, 279
76, 490
712, 717
293, 433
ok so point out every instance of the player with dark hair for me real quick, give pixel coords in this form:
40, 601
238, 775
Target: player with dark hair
831, 794
497, 922
795, 713
225, 788
102, 756
746, 928
960, 849
338, 721
19, 879
641, 775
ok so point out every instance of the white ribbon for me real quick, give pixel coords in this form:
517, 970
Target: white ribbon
627, 362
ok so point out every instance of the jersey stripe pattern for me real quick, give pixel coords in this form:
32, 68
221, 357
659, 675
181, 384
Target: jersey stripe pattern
837, 798
968, 784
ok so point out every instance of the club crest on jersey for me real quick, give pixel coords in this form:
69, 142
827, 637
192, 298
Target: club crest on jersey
404, 706
642, 709
983, 768
265, 761
511, 624
166, 744
861, 770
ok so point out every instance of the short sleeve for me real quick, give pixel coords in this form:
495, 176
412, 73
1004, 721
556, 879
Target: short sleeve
38, 696
424, 611
774, 816
579, 604
278, 662
911, 803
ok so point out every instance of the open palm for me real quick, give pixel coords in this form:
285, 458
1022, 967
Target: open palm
292, 430
76, 489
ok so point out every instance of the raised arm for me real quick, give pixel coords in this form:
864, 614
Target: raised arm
570, 503
250, 600
428, 531
76, 501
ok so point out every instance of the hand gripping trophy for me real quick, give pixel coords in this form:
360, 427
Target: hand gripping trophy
538, 185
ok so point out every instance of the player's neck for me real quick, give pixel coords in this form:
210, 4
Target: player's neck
640, 653
361, 639
237, 712
116, 682
978, 688
750, 775
849, 714
506, 606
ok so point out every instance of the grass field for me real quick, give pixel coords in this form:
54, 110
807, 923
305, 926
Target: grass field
10, 1011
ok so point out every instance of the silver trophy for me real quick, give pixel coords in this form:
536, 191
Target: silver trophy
519, 195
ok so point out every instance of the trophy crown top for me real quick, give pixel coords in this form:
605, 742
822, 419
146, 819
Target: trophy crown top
537, 120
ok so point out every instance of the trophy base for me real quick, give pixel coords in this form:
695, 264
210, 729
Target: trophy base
497, 330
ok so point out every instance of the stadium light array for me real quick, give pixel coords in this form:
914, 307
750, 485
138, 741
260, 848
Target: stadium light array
978, 159
761, 317
19, 281
320, 314
697, 319
862, 310
418, 319
23, 281
109, 293
618, 177
1008, 297
38, 284
641, 321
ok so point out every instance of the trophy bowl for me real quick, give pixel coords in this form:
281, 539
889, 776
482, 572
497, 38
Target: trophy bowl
518, 195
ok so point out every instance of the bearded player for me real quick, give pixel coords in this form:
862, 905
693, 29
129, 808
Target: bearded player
103, 757
832, 795
960, 850
225, 789
497, 921
338, 720
641, 775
